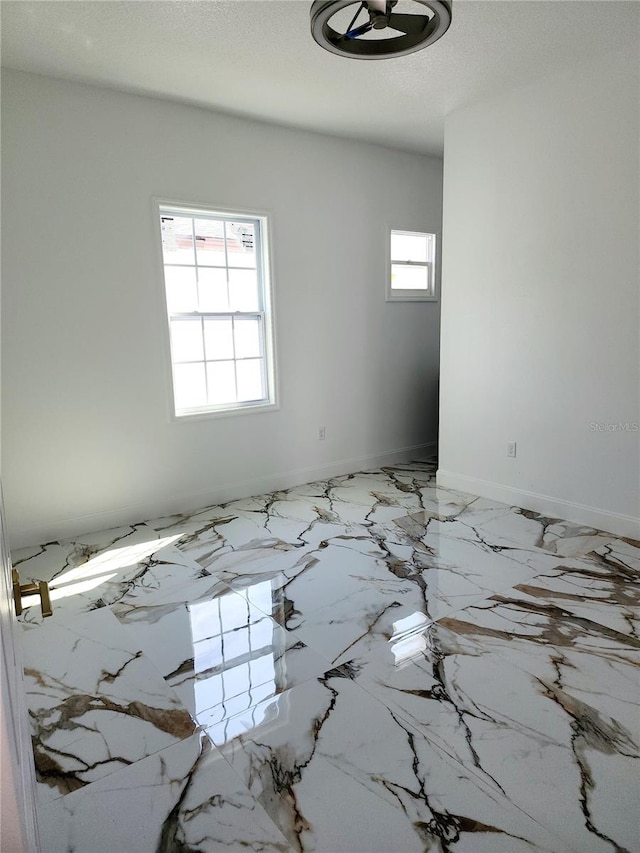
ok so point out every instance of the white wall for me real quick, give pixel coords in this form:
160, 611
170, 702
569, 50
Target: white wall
87, 438
540, 319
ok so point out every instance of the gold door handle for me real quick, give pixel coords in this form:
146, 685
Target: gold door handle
41, 588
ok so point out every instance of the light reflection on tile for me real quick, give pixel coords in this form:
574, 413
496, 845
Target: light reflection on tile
222, 655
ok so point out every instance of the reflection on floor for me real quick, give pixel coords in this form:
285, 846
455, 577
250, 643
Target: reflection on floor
367, 664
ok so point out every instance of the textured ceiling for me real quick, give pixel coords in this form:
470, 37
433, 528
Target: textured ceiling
258, 58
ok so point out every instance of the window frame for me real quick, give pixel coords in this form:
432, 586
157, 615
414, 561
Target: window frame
163, 207
431, 294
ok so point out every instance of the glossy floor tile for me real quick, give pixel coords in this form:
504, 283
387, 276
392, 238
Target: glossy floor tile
183, 798
96, 703
366, 664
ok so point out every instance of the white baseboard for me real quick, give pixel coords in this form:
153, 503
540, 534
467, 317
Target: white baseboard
188, 501
600, 519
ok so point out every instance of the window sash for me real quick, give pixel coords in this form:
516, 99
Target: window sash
428, 265
233, 358
261, 314
426, 292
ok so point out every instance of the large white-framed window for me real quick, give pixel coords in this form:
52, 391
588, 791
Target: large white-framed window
412, 267
219, 309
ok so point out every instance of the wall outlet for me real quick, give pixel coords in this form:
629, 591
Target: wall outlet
511, 449
321, 433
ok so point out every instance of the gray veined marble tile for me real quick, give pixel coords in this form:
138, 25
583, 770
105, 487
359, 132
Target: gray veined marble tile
333, 595
235, 539
619, 554
95, 702
373, 496
591, 589
569, 765
340, 596
533, 529
222, 654
326, 576
55, 559
184, 798
441, 503
176, 577
460, 560
90, 579
588, 660
513, 622
295, 518
385, 664
338, 771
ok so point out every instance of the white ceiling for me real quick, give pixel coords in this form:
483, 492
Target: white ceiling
258, 58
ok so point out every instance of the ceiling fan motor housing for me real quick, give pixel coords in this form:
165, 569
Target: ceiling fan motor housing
418, 31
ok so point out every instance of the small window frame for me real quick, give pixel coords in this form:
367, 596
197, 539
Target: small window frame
163, 206
429, 294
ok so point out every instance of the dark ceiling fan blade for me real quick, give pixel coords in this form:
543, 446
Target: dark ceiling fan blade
408, 24
355, 17
359, 31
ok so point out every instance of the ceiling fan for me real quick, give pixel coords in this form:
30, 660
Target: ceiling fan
381, 32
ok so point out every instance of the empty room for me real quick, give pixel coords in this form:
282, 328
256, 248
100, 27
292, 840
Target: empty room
320, 426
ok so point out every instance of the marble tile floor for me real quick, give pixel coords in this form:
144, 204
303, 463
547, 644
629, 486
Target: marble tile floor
370, 664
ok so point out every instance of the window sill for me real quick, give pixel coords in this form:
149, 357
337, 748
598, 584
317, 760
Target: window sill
209, 414
409, 297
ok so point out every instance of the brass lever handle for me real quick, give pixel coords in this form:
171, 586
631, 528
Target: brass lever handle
41, 588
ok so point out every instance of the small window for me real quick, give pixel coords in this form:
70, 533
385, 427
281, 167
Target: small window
218, 297
412, 266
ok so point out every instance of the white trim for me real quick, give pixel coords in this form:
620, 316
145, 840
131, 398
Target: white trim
589, 516
190, 501
194, 415
19, 829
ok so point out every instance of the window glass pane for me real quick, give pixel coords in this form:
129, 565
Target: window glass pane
182, 295
409, 247
221, 382
409, 278
243, 290
186, 340
250, 383
218, 338
247, 337
241, 246
210, 241
189, 385
177, 240
212, 286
